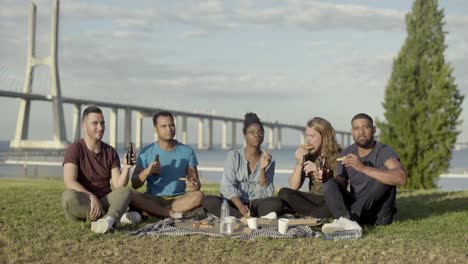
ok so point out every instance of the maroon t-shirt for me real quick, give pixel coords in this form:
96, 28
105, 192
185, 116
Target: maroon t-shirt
94, 169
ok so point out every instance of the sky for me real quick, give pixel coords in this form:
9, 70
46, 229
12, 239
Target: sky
286, 60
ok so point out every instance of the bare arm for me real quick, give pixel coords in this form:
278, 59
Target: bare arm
243, 209
265, 159
295, 179
119, 178
193, 180
140, 175
70, 176
394, 174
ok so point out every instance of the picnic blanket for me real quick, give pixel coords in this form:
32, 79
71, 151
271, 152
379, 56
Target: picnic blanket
168, 227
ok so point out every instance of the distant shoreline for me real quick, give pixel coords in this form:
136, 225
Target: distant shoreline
200, 168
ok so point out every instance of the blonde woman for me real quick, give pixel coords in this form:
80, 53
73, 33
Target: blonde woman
316, 162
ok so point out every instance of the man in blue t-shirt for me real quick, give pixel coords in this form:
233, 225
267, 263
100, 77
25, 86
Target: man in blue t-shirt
373, 170
168, 167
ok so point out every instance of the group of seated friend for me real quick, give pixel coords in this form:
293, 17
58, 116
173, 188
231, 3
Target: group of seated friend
355, 186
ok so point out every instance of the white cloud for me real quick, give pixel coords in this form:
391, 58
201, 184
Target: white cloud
257, 44
115, 50
459, 22
314, 15
211, 7
316, 43
194, 34
128, 35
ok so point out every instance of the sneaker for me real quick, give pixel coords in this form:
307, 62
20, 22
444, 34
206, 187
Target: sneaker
270, 216
332, 227
130, 218
350, 224
341, 224
197, 214
288, 216
177, 215
101, 226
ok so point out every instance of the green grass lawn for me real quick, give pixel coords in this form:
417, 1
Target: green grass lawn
431, 227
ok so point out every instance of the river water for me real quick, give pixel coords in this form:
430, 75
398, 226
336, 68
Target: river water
214, 159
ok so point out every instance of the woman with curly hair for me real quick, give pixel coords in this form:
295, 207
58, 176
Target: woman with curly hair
247, 181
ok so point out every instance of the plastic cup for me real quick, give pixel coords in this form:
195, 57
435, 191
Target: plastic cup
229, 221
283, 225
252, 223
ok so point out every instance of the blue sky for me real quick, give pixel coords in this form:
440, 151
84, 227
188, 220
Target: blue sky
285, 60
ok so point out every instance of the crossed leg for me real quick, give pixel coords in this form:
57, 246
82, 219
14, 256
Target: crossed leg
147, 203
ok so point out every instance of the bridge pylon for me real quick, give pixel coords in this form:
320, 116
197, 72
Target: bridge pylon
59, 140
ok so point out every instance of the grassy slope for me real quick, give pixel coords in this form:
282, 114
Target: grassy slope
431, 227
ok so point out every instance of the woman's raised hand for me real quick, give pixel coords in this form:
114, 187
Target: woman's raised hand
265, 159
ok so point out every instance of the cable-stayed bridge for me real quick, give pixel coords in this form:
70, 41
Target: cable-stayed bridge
274, 129
54, 96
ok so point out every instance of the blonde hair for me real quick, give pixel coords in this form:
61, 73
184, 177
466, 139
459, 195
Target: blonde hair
329, 147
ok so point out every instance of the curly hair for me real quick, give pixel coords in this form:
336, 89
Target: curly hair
249, 119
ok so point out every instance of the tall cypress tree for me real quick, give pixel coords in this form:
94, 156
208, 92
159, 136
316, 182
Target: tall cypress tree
422, 103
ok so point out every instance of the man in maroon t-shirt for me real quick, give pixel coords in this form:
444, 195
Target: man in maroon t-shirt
89, 166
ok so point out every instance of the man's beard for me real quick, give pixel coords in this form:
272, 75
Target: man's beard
366, 145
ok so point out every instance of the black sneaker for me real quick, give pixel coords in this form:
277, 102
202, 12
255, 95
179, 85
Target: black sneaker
198, 213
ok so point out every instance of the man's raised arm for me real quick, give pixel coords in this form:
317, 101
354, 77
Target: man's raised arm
140, 175
394, 174
119, 178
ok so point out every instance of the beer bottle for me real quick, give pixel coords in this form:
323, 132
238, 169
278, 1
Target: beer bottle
130, 154
308, 157
156, 159
324, 168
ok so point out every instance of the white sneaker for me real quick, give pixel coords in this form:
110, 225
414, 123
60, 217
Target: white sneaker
130, 218
177, 215
332, 227
350, 224
340, 225
270, 216
102, 226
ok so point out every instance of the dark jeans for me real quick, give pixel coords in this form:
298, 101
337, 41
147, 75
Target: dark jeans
308, 204
375, 206
259, 207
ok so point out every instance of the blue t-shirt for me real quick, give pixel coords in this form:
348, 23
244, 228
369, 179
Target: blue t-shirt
174, 165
